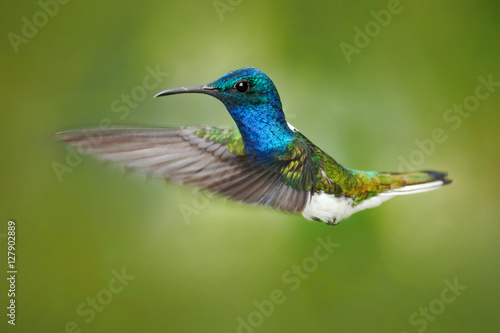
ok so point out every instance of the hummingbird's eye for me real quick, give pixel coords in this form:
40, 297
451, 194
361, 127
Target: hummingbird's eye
242, 86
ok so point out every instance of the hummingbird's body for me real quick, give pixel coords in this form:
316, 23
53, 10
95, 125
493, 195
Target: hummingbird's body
264, 160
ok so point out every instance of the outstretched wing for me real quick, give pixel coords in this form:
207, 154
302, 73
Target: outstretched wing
211, 158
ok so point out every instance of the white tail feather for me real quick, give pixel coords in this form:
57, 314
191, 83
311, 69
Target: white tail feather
416, 188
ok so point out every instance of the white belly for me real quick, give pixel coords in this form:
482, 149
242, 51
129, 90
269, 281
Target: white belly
330, 209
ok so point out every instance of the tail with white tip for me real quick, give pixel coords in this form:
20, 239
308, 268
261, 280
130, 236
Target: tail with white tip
414, 182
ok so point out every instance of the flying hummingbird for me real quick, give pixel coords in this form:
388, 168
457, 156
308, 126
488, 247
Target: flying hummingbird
263, 160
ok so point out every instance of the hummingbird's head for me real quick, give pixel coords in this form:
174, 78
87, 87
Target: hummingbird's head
242, 89
247, 87
253, 101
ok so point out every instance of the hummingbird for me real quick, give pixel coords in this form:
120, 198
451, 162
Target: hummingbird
263, 160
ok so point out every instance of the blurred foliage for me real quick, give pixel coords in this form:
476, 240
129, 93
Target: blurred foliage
202, 272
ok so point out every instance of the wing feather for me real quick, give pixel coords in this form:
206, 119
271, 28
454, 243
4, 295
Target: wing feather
200, 156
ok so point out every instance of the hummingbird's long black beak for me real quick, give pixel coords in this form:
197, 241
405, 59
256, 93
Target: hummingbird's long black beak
203, 89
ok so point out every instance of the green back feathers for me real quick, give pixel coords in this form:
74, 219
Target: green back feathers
228, 136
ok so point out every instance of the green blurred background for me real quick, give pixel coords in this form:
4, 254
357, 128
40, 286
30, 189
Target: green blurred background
200, 265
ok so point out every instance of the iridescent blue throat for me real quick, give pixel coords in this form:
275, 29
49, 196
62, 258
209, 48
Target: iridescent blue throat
263, 128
